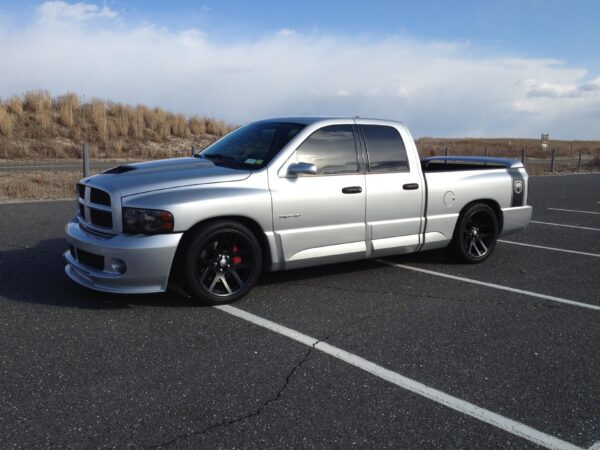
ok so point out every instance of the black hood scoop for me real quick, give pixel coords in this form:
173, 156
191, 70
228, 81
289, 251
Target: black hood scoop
119, 169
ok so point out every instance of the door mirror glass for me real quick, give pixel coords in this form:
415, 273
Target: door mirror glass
302, 168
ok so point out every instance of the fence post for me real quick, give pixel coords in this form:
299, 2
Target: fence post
579, 161
446, 152
86, 160
485, 152
193, 150
523, 156
553, 161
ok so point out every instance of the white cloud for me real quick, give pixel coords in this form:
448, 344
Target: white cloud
286, 32
436, 88
558, 90
58, 11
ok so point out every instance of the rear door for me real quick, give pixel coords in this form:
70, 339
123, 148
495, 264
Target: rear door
395, 192
321, 218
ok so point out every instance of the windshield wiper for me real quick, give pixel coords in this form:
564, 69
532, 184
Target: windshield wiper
218, 158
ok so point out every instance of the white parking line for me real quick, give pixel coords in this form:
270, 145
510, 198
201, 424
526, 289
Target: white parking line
574, 210
565, 225
462, 406
494, 286
596, 446
550, 248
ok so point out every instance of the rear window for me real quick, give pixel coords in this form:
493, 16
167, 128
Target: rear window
385, 149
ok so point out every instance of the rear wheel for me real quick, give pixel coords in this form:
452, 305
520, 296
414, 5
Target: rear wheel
221, 262
475, 234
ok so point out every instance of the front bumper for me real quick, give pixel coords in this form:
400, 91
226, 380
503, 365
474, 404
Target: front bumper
515, 219
147, 260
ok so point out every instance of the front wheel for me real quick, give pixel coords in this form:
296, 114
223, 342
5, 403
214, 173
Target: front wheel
221, 262
475, 234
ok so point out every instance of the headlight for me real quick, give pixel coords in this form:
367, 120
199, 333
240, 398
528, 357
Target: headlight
147, 221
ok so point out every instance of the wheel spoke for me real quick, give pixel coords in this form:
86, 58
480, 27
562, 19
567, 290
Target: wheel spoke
226, 284
203, 276
214, 282
482, 244
238, 280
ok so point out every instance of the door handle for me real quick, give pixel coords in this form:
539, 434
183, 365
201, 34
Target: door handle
352, 190
410, 186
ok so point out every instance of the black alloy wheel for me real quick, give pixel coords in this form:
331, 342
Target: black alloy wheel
476, 234
222, 262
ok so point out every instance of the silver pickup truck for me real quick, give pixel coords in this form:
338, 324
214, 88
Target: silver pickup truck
281, 194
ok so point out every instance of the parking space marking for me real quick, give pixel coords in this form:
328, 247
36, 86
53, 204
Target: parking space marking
595, 446
455, 403
565, 225
493, 285
574, 210
549, 248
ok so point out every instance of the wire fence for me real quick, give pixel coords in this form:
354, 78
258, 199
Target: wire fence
94, 163
536, 162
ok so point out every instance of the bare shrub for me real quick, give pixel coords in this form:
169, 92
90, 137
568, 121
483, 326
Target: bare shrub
14, 105
119, 116
216, 127
66, 105
197, 125
44, 119
6, 122
97, 116
136, 121
149, 117
161, 127
179, 126
37, 101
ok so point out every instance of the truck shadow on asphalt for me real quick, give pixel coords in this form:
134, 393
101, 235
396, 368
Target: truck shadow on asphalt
36, 275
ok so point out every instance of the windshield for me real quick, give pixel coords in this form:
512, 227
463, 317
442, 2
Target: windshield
252, 146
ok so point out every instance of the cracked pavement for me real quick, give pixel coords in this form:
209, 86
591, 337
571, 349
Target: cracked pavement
81, 369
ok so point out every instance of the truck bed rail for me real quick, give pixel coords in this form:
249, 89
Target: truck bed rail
450, 163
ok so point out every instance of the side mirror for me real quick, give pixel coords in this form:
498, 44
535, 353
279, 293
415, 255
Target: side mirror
302, 168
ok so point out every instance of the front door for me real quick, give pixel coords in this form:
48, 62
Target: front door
320, 218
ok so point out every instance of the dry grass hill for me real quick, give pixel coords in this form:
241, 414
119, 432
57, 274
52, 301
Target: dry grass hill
38, 129
36, 124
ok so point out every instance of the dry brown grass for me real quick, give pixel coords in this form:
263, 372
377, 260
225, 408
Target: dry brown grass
14, 105
197, 125
6, 122
37, 185
66, 108
37, 101
508, 147
35, 121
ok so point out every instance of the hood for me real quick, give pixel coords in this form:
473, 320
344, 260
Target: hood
130, 179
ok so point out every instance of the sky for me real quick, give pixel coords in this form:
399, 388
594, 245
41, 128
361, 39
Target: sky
447, 69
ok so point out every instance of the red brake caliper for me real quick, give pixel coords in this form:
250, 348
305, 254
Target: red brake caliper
236, 259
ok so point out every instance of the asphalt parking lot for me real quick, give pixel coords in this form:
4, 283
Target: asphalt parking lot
504, 354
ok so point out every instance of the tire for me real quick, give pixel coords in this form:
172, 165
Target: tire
220, 262
476, 234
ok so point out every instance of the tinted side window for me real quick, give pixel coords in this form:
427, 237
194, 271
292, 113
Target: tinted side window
331, 149
385, 149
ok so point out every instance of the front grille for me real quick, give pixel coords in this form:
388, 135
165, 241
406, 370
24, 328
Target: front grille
90, 259
101, 218
99, 197
94, 206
